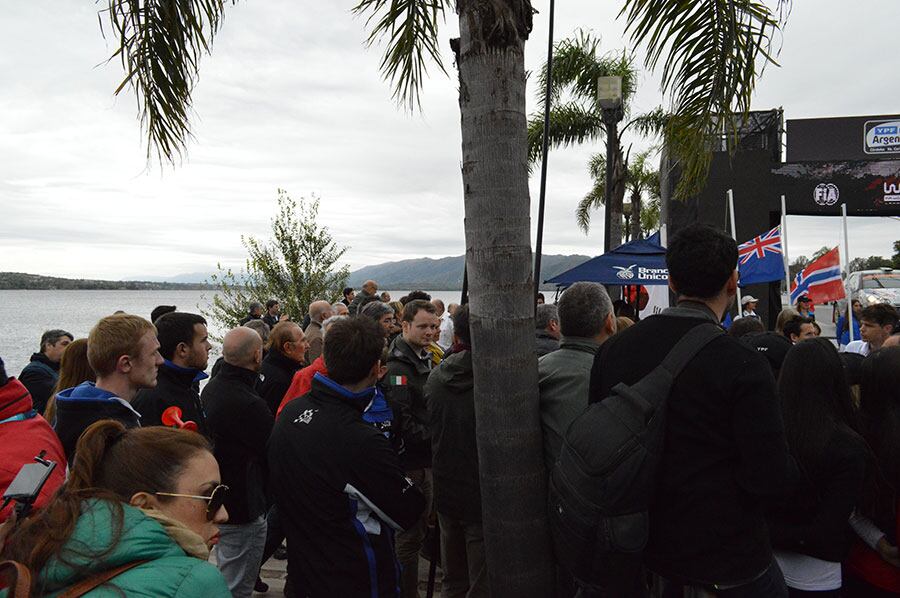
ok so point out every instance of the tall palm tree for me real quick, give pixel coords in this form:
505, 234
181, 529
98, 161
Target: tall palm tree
576, 115
641, 182
709, 50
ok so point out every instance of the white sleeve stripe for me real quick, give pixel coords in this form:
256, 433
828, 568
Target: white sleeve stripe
354, 493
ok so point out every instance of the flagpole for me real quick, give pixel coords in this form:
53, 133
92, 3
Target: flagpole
846, 261
730, 194
787, 261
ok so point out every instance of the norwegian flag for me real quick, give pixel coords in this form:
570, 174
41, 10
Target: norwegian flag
761, 259
820, 280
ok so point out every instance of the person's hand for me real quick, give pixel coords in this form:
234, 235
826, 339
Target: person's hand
888, 552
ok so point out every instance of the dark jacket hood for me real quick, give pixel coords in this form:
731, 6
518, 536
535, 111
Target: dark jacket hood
183, 375
86, 391
40, 357
331, 390
455, 372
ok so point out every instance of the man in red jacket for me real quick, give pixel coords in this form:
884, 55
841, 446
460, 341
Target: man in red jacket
23, 435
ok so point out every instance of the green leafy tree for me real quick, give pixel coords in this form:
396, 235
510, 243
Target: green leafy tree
297, 265
798, 265
708, 50
576, 118
642, 188
896, 257
873, 262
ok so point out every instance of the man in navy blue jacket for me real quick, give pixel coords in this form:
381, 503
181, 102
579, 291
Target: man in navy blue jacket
337, 482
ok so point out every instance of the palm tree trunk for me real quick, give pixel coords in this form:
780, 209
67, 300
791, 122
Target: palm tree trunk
617, 199
501, 302
636, 213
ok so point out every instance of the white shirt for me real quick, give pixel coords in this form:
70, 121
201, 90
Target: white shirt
804, 572
861, 347
445, 340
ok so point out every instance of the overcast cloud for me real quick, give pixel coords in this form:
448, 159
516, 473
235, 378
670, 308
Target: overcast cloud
291, 98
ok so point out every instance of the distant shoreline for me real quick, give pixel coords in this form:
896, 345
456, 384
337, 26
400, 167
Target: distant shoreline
20, 281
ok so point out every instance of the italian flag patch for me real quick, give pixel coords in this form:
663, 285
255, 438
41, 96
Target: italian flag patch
397, 380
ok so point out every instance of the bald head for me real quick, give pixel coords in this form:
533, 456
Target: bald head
439, 306
370, 286
319, 311
892, 341
242, 347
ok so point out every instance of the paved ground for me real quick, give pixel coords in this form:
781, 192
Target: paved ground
274, 572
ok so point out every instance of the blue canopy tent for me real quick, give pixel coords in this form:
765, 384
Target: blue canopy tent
642, 261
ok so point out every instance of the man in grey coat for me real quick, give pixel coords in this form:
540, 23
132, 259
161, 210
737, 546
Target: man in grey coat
586, 320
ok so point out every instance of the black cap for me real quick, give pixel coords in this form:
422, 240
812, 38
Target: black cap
771, 345
3, 377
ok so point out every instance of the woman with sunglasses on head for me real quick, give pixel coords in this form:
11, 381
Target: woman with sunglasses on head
138, 516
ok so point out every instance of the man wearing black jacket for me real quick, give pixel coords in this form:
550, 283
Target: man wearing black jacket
408, 365
240, 424
184, 345
42, 372
457, 489
338, 484
287, 351
725, 450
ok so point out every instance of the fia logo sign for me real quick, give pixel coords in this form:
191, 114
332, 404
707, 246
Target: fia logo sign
826, 194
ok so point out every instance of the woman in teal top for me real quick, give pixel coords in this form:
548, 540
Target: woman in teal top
146, 497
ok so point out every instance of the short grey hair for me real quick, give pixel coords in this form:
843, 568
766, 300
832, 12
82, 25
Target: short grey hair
583, 309
254, 306
545, 314
329, 321
376, 310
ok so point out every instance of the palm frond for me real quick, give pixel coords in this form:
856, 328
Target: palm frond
577, 62
160, 46
570, 124
590, 202
709, 51
410, 30
649, 124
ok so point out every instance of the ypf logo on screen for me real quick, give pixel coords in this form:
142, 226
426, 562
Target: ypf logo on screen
882, 137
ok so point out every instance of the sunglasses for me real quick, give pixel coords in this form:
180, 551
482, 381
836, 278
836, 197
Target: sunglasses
214, 501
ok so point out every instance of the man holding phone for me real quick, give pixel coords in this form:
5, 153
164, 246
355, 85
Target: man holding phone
23, 435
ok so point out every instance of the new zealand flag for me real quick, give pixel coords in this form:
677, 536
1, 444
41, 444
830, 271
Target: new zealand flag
761, 259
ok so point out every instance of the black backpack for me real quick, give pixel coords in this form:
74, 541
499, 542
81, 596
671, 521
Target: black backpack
605, 476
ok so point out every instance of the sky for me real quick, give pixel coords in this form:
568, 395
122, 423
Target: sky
291, 97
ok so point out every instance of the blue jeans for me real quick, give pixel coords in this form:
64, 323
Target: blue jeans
768, 585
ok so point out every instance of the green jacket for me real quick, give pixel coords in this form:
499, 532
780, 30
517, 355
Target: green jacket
564, 377
169, 572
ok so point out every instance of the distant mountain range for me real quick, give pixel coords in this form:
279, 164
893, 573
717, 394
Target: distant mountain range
444, 274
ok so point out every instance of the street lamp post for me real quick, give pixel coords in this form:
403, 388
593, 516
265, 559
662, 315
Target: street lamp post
609, 96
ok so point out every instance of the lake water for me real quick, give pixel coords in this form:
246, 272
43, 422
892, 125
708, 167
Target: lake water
25, 315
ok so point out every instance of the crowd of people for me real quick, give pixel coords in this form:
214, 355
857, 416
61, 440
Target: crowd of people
348, 436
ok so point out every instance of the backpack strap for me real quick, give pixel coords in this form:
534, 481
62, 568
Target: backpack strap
19, 577
688, 346
85, 586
